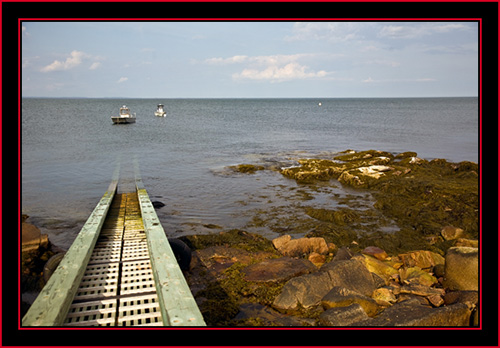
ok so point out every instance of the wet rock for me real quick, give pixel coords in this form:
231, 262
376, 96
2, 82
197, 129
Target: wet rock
275, 270
461, 269
451, 232
412, 313
246, 168
343, 316
375, 252
421, 258
342, 297
300, 247
158, 204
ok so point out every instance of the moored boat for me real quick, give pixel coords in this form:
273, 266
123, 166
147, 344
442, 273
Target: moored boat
124, 117
160, 112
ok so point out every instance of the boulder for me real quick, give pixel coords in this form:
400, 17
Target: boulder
412, 313
301, 246
451, 232
461, 269
275, 270
343, 316
306, 291
351, 274
341, 297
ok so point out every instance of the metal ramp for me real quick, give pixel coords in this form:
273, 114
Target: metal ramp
119, 271
118, 287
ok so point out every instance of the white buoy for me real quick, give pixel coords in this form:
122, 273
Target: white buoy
319, 104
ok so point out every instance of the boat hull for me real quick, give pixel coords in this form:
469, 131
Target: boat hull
160, 114
122, 120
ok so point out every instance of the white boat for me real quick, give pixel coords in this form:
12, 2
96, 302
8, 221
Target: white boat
124, 117
160, 112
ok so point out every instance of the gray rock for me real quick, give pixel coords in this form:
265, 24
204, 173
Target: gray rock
351, 274
343, 316
306, 290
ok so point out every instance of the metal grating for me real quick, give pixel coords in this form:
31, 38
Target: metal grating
118, 286
140, 311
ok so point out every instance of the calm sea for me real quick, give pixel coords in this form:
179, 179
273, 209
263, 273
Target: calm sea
70, 148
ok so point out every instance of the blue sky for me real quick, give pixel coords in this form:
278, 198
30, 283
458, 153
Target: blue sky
249, 59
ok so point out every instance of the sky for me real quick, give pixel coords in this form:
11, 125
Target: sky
280, 59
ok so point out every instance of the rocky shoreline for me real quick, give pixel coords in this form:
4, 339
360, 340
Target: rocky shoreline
346, 270
344, 273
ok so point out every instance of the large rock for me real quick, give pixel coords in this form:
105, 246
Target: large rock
343, 316
461, 269
412, 313
308, 290
350, 274
301, 246
275, 270
342, 297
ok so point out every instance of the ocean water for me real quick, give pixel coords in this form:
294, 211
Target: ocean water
70, 148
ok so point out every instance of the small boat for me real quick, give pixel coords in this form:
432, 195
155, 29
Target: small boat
124, 117
160, 112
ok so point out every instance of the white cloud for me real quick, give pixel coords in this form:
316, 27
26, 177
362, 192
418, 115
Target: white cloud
275, 68
95, 65
291, 71
72, 61
122, 79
